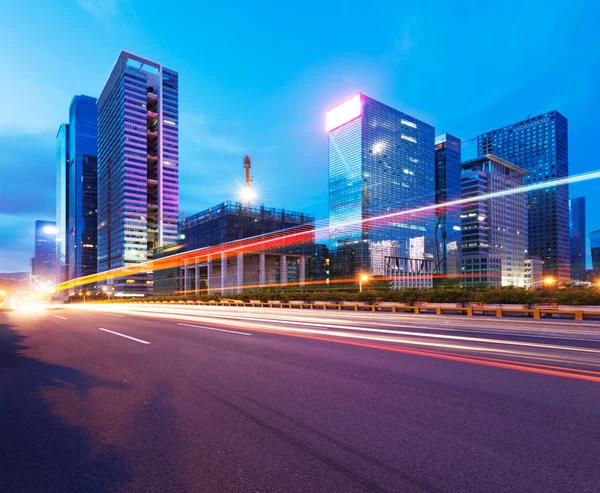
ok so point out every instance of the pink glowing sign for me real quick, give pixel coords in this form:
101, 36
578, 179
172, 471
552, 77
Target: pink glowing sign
343, 113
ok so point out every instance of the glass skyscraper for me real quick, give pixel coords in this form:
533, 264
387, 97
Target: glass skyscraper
578, 237
447, 189
62, 164
76, 190
540, 145
138, 156
82, 188
381, 161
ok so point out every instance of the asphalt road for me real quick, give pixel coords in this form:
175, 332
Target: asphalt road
193, 399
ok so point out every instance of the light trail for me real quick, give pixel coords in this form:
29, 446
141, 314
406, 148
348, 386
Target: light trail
443, 349
304, 233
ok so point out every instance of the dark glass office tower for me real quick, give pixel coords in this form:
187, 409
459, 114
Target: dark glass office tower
540, 145
43, 263
62, 164
138, 156
82, 188
381, 161
447, 189
578, 236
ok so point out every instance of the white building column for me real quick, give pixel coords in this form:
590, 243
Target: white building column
197, 274
302, 271
261, 269
184, 277
283, 270
239, 272
208, 273
223, 273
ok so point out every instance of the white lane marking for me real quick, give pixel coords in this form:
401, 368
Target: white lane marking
113, 315
218, 330
58, 316
123, 335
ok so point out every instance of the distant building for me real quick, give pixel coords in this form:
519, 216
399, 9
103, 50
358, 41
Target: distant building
381, 161
258, 266
138, 156
578, 238
540, 146
447, 189
43, 263
534, 273
494, 231
595, 246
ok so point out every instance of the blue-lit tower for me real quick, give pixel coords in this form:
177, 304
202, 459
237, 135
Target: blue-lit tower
381, 161
447, 189
82, 188
62, 185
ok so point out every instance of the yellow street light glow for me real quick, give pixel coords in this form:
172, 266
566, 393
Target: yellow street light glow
364, 277
549, 280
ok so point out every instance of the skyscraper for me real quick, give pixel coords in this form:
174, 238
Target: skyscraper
43, 263
494, 231
62, 164
82, 188
380, 161
595, 244
447, 188
578, 237
138, 158
540, 145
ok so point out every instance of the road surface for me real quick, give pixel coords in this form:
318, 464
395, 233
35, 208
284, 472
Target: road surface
144, 398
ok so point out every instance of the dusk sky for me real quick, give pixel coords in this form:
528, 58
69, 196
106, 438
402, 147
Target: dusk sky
257, 78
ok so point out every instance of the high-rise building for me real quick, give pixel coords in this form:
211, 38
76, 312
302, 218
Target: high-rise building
82, 188
62, 185
43, 263
494, 231
138, 156
595, 246
381, 161
578, 238
447, 189
540, 145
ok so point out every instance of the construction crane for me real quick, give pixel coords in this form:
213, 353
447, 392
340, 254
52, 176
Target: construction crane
247, 166
248, 194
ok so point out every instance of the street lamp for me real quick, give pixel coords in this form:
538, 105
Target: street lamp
362, 279
248, 194
549, 281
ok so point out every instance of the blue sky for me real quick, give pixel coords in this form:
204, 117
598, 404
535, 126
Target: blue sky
258, 77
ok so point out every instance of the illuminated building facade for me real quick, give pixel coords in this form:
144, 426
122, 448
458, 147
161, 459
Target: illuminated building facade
43, 263
138, 156
381, 160
578, 237
447, 188
226, 224
494, 231
540, 145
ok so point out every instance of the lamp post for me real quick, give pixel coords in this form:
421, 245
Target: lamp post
363, 278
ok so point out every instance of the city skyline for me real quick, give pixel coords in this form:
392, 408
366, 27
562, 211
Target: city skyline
210, 141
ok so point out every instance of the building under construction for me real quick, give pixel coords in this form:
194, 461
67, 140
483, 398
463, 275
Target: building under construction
254, 266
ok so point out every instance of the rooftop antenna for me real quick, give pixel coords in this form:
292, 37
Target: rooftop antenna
247, 167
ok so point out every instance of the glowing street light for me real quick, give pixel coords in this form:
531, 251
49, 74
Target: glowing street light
549, 281
363, 278
248, 194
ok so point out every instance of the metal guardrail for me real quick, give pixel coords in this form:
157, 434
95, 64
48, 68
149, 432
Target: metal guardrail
416, 309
